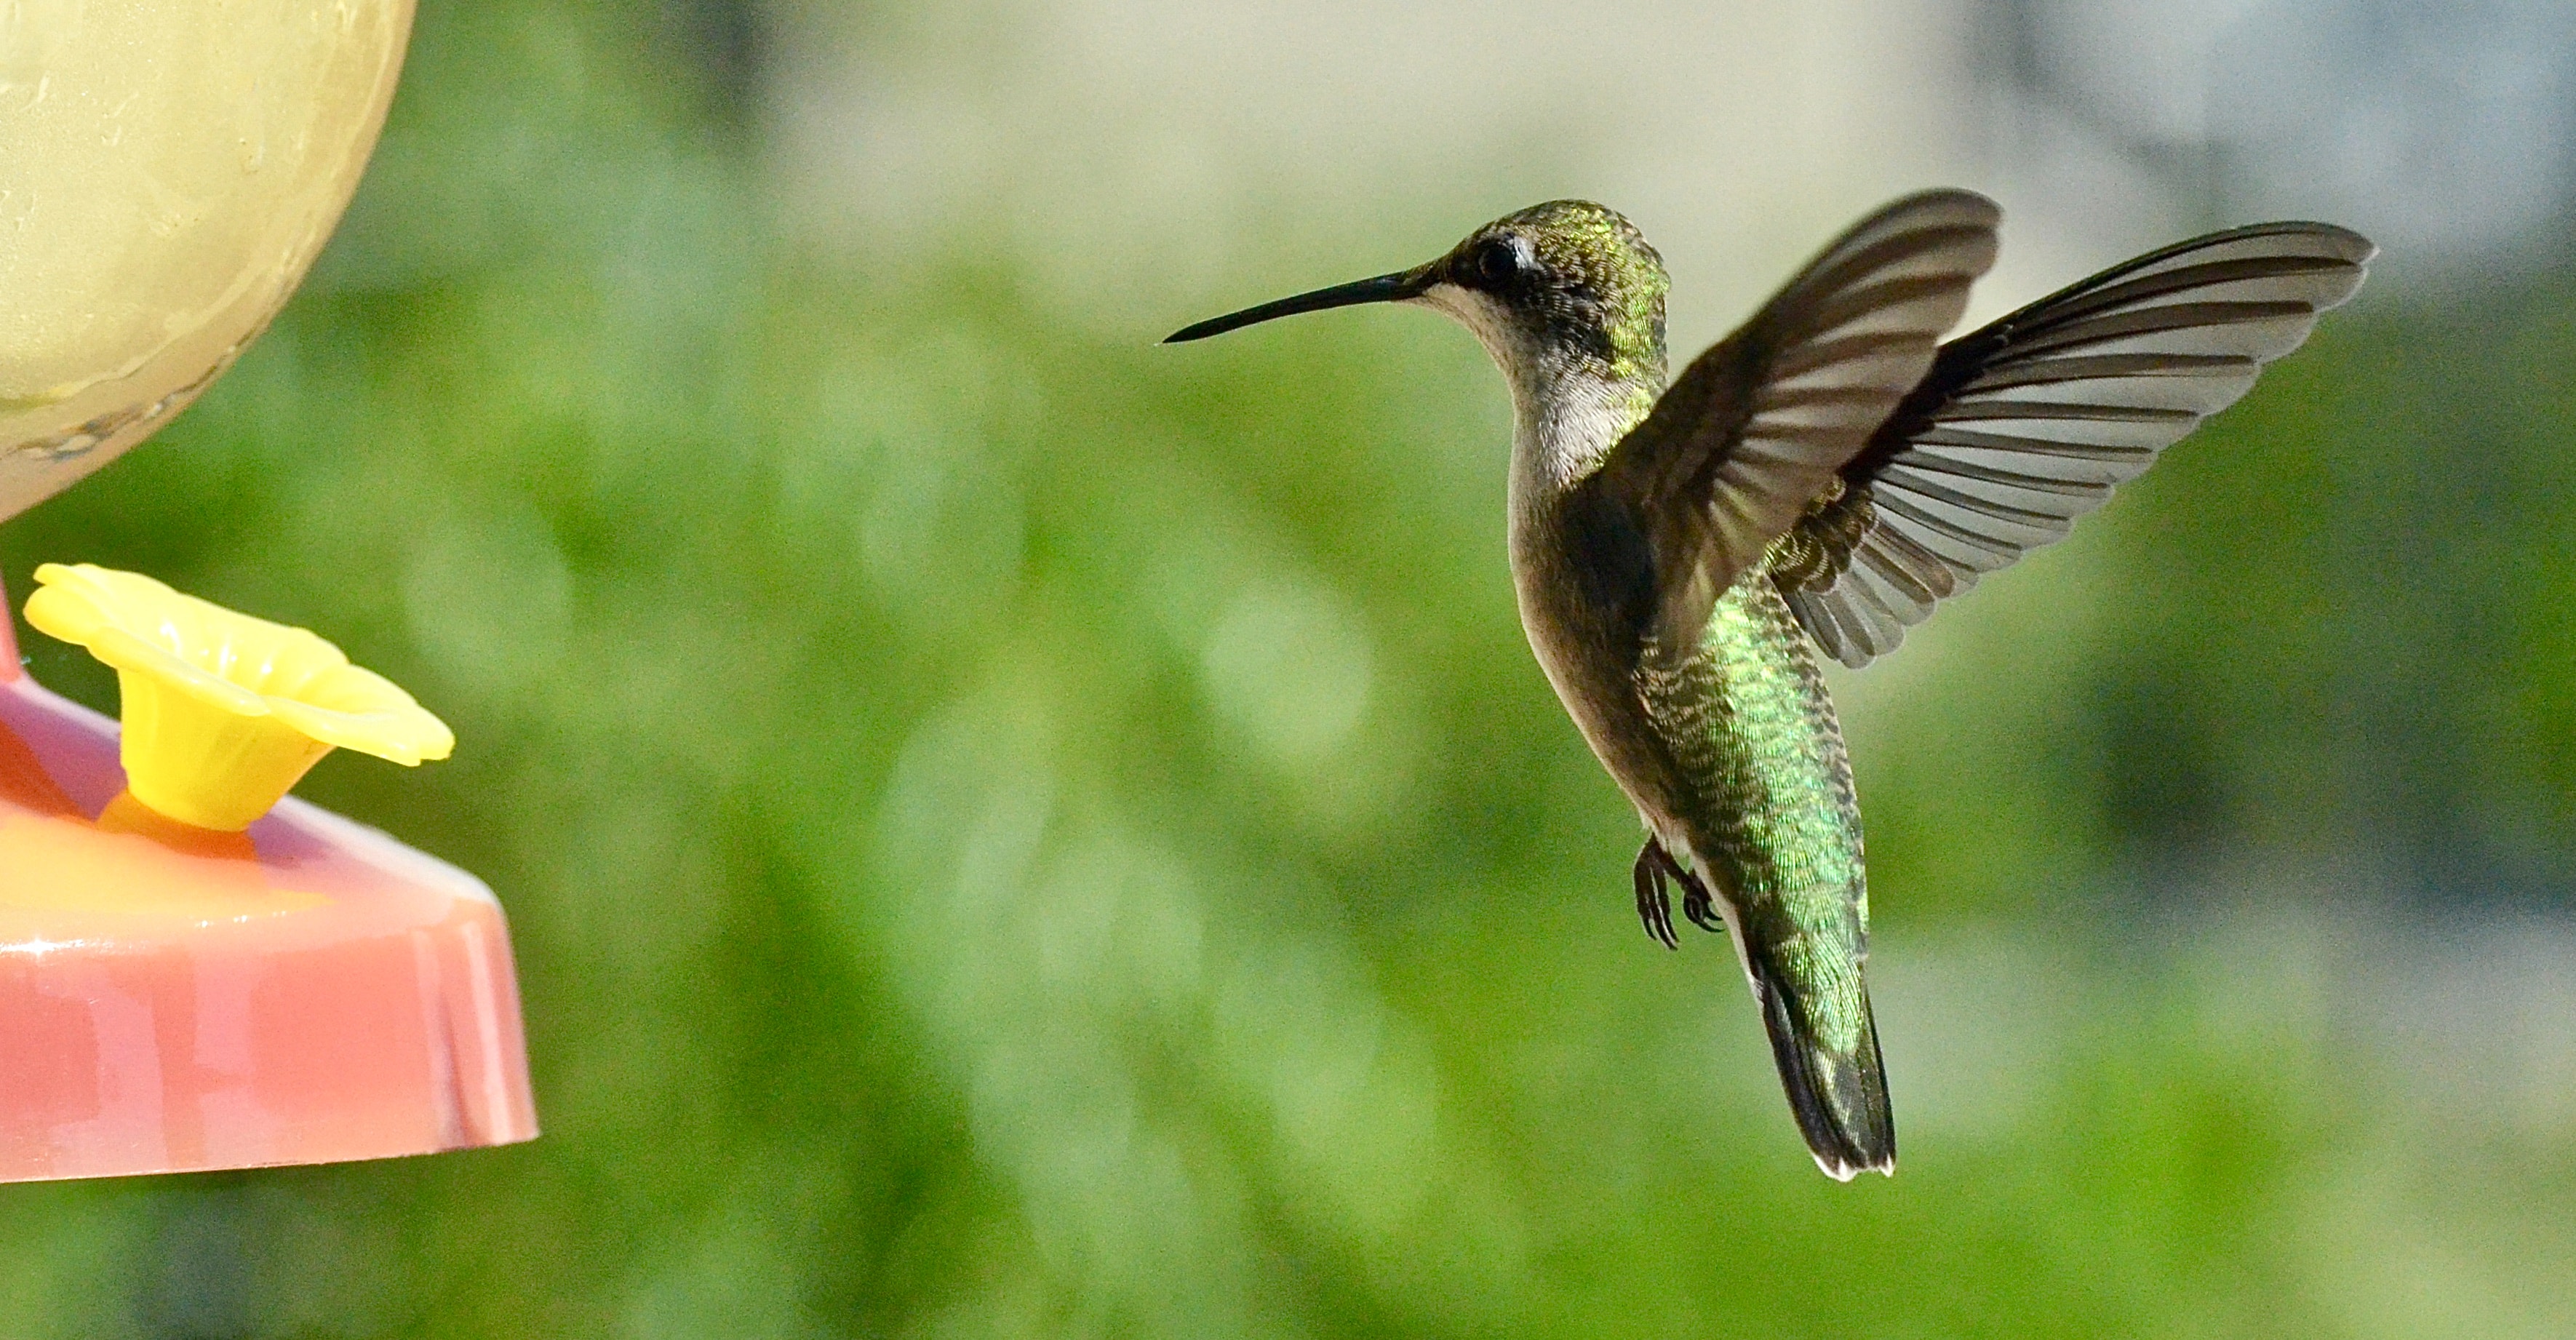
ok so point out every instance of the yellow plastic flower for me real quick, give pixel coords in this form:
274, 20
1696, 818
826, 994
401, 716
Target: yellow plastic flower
224, 712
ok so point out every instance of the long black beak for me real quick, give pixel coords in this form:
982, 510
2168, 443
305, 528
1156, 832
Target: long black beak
1396, 287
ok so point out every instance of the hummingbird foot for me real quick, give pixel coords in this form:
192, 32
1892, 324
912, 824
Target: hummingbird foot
1658, 864
1654, 901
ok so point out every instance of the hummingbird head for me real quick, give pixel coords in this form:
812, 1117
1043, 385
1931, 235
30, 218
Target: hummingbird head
1563, 288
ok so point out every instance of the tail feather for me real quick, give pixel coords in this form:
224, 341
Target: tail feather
1838, 1096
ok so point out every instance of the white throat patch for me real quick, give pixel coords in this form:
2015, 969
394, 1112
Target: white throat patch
1560, 430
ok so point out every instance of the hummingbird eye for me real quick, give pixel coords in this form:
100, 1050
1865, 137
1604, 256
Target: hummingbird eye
1499, 262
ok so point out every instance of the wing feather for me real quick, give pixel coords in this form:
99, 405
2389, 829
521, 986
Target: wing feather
2032, 421
1754, 431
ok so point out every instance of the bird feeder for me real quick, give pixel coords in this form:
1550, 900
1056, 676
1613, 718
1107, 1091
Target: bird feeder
194, 972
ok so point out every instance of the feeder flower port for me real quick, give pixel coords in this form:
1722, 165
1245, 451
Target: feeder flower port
175, 997
224, 712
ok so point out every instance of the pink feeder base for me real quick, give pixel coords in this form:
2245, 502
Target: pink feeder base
173, 1000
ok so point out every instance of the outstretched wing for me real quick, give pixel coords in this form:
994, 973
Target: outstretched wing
2030, 422
1754, 430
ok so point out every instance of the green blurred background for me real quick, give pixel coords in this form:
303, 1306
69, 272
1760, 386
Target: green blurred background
1009, 830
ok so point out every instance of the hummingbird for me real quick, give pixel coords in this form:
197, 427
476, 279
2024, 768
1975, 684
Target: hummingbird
1682, 549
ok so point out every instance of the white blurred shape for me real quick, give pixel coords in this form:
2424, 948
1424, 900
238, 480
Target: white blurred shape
2441, 131
1146, 157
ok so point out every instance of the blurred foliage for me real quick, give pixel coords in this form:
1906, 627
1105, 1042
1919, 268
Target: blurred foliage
1013, 831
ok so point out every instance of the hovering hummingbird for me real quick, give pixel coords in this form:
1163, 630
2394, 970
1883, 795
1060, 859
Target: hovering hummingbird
1818, 480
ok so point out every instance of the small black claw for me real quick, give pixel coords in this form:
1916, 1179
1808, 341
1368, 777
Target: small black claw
1654, 902
1697, 906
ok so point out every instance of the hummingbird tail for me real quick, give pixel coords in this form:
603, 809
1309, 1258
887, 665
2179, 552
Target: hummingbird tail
1838, 1096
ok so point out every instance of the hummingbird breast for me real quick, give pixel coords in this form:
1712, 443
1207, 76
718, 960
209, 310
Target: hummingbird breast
1732, 753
